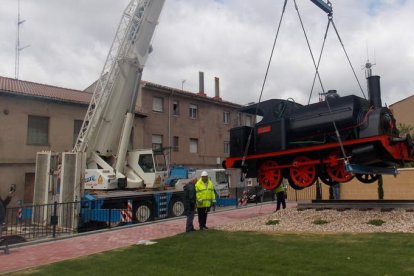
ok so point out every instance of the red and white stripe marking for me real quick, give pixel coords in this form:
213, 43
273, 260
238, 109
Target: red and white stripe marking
19, 213
126, 214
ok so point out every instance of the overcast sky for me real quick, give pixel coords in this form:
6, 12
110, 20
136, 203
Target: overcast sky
231, 39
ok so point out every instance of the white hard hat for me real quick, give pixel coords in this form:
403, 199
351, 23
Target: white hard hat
204, 173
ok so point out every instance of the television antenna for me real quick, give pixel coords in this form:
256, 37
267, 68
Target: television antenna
368, 65
18, 47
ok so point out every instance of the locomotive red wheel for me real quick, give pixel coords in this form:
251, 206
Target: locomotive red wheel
335, 168
302, 175
293, 185
270, 176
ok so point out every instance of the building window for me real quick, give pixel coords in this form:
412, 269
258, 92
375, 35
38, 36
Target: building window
77, 125
38, 130
176, 108
238, 123
175, 143
157, 142
226, 147
193, 145
193, 111
226, 117
248, 120
157, 104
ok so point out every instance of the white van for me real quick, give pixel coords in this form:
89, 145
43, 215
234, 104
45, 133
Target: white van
219, 179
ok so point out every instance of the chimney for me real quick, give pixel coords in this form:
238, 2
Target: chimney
201, 84
374, 91
217, 89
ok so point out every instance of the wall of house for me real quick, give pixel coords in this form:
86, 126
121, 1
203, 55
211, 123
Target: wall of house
403, 111
208, 127
17, 157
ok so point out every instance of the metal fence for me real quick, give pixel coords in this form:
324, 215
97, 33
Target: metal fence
307, 194
27, 223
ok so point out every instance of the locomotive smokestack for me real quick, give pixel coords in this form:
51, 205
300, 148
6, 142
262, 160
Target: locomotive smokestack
374, 91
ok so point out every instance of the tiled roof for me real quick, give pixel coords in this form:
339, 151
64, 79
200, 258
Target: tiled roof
189, 94
27, 88
44, 91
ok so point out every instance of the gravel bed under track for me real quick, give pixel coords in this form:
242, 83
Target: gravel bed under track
343, 221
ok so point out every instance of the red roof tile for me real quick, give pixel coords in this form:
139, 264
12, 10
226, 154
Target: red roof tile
44, 91
198, 96
13, 86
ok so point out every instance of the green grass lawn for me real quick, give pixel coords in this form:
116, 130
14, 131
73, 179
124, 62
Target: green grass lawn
247, 253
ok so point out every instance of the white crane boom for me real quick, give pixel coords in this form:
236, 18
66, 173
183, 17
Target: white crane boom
116, 89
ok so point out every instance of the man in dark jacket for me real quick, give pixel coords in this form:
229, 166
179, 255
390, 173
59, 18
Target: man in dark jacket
189, 204
4, 203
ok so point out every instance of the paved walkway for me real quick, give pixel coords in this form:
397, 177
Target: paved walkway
59, 250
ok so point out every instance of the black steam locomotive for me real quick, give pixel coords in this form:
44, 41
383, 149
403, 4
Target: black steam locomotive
325, 139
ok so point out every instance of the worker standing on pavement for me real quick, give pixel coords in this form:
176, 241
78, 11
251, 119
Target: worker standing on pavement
190, 204
205, 198
280, 196
5, 202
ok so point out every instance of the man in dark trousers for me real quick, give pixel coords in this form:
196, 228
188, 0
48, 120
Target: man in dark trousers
206, 197
280, 197
3, 205
5, 202
190, 204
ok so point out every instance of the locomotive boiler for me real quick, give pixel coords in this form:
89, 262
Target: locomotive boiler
335, 139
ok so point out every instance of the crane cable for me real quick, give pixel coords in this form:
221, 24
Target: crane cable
346, 54
309, 47
319, 62
330, 19
317, 73
263, 85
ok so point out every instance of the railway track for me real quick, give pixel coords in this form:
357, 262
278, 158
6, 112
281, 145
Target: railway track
357, 204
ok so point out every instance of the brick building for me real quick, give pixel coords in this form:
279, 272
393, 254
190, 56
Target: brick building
36, 117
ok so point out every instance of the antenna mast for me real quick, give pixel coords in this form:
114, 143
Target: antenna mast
368, 65
18, 48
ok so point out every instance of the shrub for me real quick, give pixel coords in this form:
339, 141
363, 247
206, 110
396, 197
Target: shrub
272, 222
320, 221
376, 222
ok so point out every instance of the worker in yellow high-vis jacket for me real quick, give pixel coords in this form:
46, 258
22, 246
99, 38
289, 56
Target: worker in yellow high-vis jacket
280, 196
205, 198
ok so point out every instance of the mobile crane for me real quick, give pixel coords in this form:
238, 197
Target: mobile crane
100, 168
